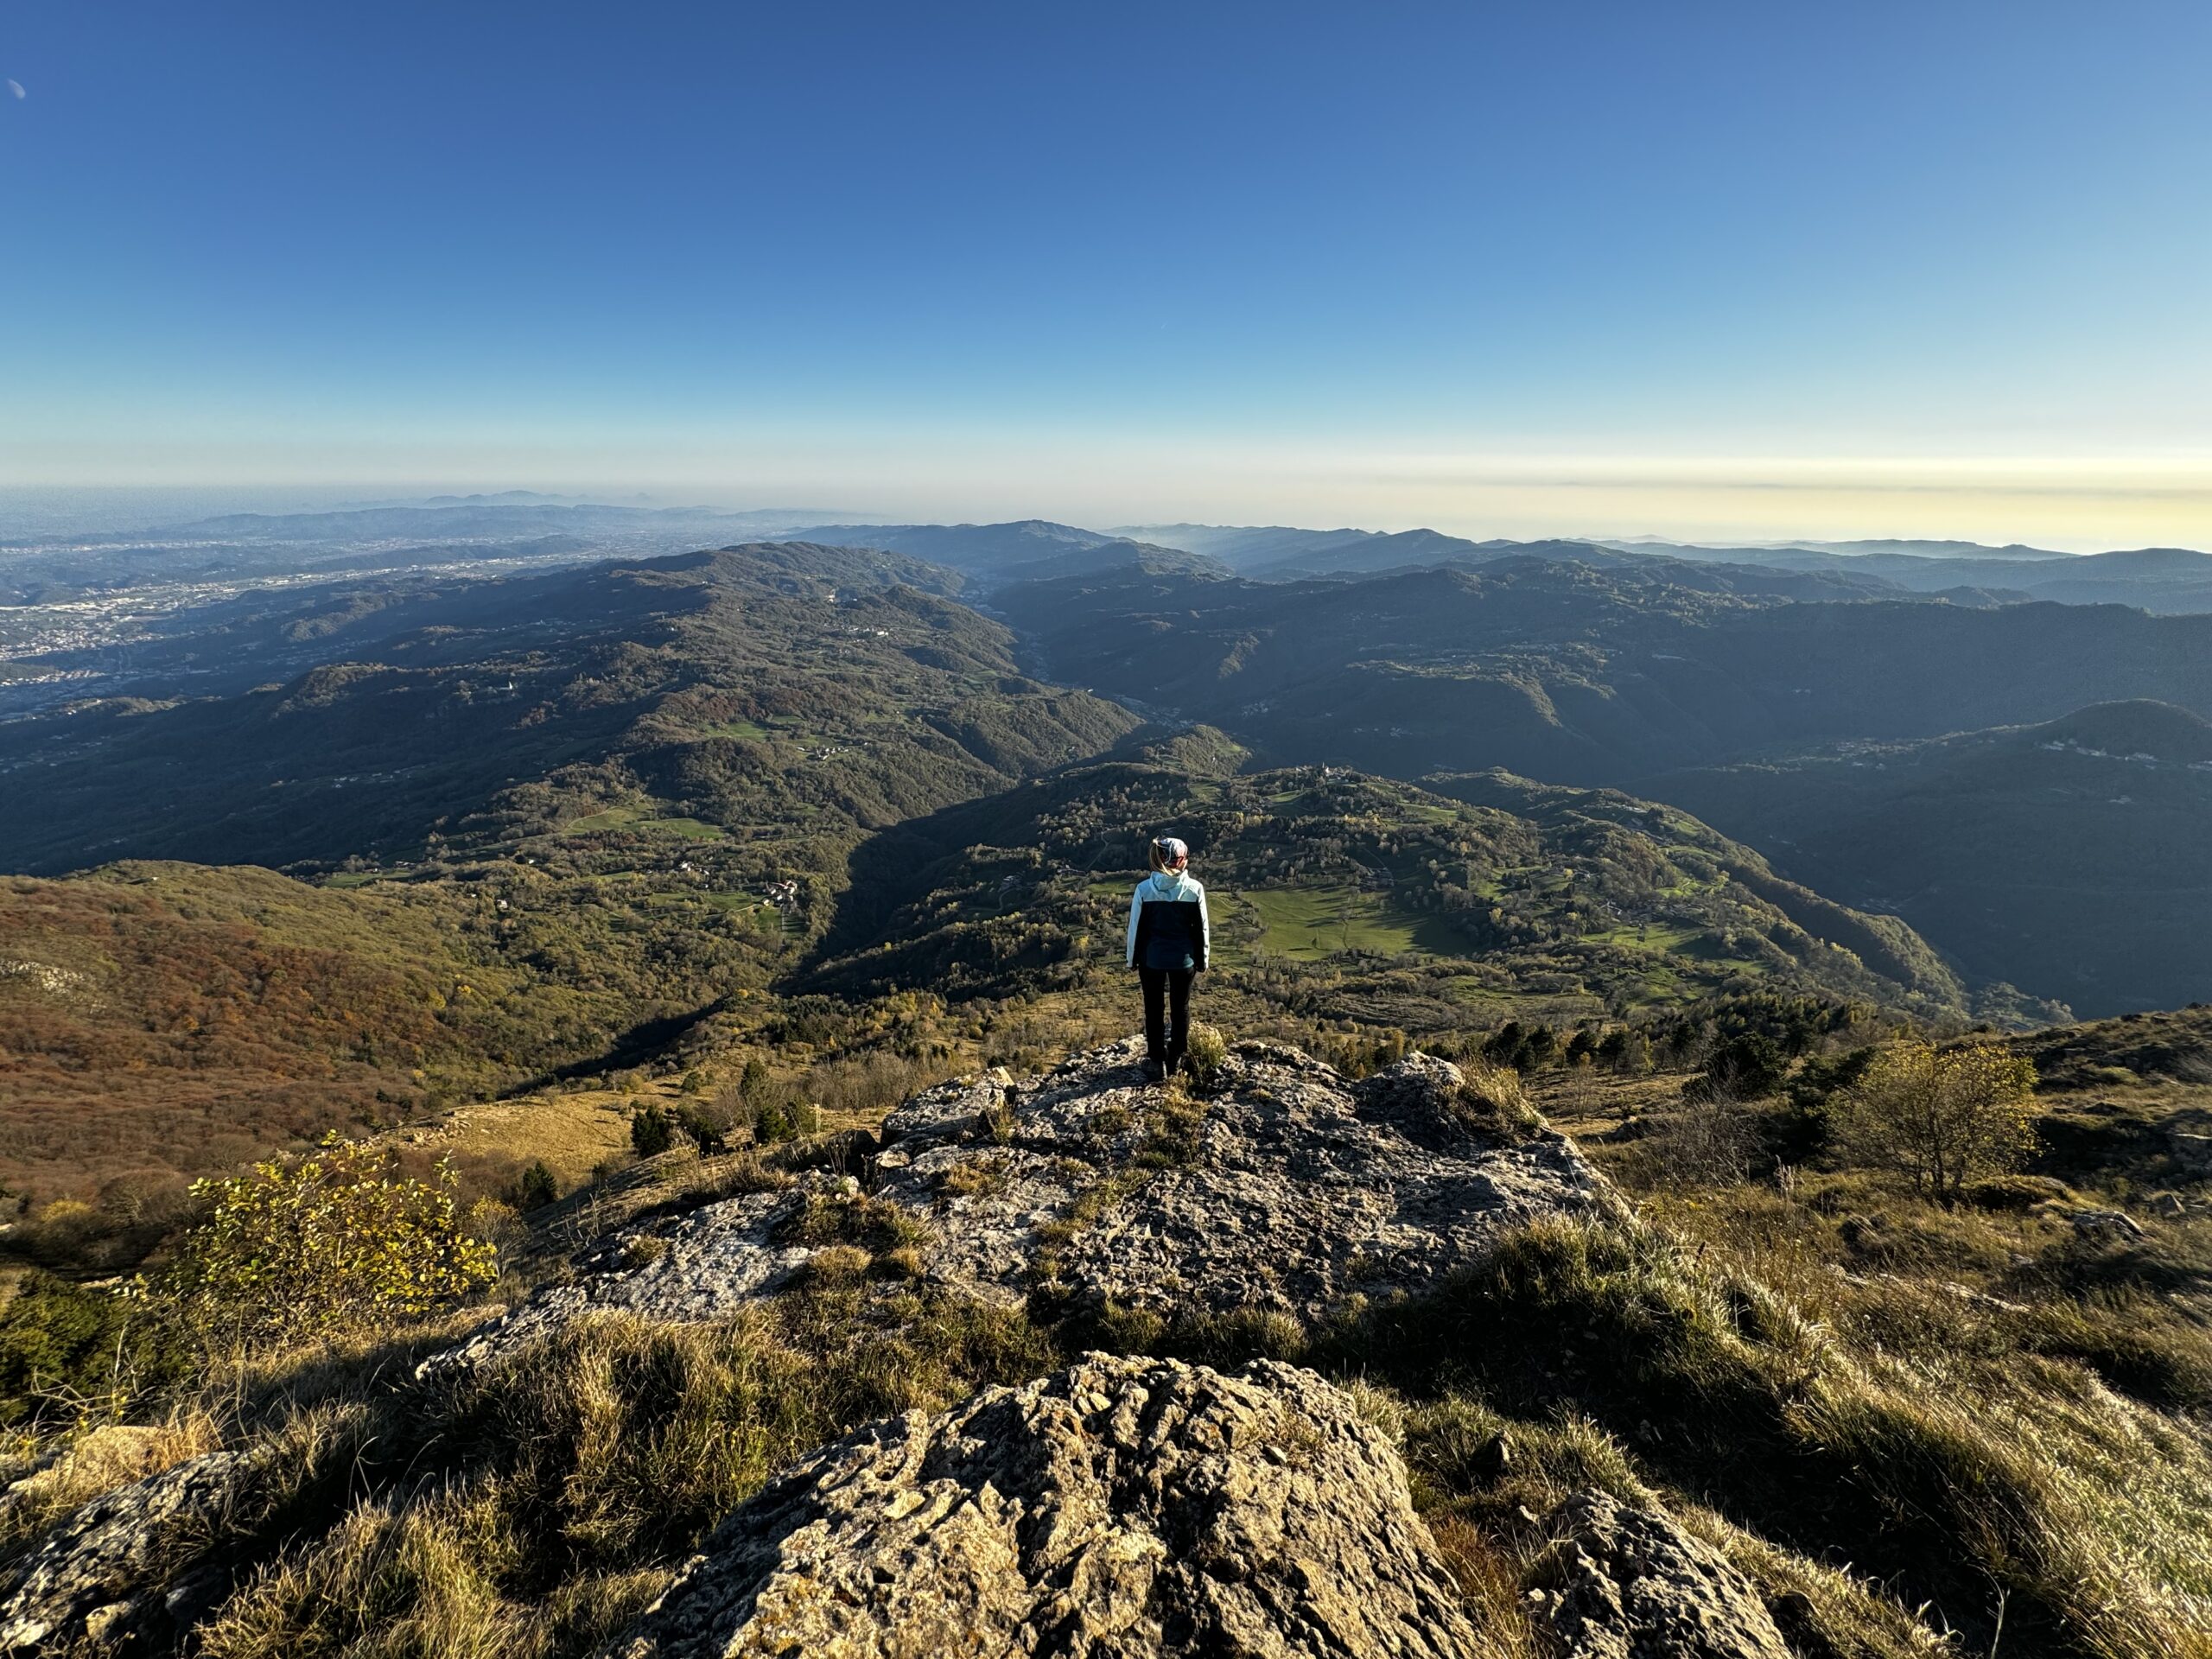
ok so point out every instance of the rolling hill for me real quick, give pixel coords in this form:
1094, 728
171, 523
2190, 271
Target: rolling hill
1353, 896
162, 1020
1558, 671
2068, 856
1030, 549
1625, 678
778, 692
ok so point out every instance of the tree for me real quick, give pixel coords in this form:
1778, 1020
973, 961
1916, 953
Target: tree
537, 1188
651, 1130
1743, 1068
1943, 1117
707, 1126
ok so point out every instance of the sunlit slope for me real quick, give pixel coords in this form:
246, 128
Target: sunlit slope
1451, 909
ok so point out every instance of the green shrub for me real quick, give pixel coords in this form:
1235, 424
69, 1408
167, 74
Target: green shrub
652, 1131
334, 1238
1943, 1117
1745, 1067
777, 1118
537, 1188
68, 1348
708, 1127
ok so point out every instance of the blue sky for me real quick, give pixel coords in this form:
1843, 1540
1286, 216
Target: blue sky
1697, 268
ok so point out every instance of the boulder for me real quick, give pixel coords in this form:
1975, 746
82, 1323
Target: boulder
1121, 1507
1630, 1583
1287, 1190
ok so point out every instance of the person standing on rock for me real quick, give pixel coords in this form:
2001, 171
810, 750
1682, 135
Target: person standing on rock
1169, 936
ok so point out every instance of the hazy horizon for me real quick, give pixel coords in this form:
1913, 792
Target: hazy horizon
35, 512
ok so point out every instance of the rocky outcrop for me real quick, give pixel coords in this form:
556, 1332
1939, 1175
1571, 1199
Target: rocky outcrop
1287, 1190
107, 1575
1122, 1507
1630, 1583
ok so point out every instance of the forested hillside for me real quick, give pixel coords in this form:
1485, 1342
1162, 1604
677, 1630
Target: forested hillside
1823, 733
553, 821
1351, 897
778, 693
1565, 672
2070, 855
165, 1019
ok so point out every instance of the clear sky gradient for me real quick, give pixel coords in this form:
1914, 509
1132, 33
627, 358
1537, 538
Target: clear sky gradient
1694, 269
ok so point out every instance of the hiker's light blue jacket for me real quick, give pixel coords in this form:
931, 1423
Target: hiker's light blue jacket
1169, 926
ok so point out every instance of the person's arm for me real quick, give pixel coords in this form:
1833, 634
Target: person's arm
1205, 933
1136, 909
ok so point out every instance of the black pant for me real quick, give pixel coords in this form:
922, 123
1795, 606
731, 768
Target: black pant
1166, 1012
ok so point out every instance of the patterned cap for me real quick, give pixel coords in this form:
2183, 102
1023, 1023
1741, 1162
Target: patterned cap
1172, 849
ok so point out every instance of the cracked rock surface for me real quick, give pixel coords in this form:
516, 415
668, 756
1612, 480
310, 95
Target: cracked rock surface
1289, 1190
1632, 1584
1121, 1507
99, 1578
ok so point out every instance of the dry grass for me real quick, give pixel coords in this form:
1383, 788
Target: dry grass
97, 1458
530, 1509
1986, 1416
1971, 1482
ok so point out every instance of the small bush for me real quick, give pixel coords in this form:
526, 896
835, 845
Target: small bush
66, 1348
707, 1126
777, 1119
1205, 1053
1943, 1117
1744, 1067
652, 1131
537, 1188
995, 1123
334, 1238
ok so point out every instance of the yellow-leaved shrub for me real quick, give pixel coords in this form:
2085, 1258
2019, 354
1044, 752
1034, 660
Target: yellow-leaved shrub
337, 1237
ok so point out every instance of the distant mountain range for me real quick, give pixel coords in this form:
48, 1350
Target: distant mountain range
1865, 548
520, 525
1029, 550
2164, 579
1742, 683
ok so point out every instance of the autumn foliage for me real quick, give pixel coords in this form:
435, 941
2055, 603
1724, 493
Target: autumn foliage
1944, 1116
335, 1238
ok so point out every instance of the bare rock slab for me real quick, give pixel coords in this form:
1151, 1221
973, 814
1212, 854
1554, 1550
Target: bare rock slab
1121, 1507
99, 1578
1287, 1190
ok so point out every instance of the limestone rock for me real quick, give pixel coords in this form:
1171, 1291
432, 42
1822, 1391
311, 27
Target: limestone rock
1118, 1507
1630, 1583
1289, 1190
102, 1575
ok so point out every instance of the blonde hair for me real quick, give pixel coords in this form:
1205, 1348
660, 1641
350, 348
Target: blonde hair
1157, 854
